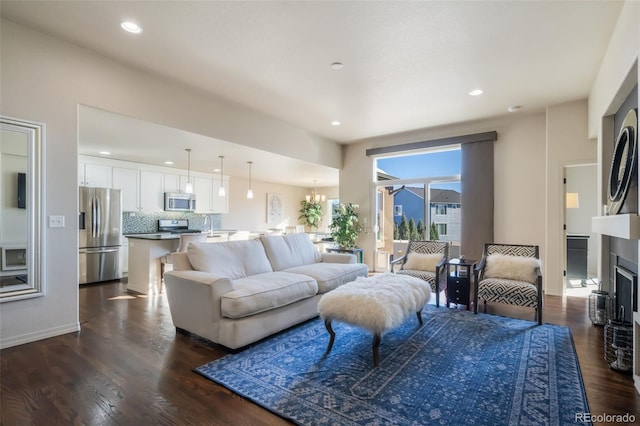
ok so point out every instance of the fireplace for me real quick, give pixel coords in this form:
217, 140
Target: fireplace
625, 289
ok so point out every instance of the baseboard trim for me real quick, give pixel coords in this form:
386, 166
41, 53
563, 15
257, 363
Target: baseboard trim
39, 335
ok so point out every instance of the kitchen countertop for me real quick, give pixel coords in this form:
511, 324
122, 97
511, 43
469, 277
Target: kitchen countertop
155, 236
169, 236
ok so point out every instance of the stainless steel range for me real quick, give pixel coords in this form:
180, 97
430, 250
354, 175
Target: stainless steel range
176, 226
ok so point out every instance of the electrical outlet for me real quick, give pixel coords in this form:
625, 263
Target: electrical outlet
56, 221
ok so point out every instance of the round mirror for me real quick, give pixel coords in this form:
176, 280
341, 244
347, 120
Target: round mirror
623, 163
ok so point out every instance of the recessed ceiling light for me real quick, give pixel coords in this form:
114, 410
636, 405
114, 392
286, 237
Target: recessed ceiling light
337, 65
105, 153
514, 108
131, 27
335, 123
168, 162
476, 92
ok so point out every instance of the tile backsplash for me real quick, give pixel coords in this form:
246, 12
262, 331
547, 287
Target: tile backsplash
136, 222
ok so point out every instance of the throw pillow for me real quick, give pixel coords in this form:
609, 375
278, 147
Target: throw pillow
422, 262
519, 268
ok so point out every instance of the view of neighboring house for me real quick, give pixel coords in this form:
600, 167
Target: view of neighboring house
444, 210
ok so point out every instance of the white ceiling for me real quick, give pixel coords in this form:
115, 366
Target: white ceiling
407, 65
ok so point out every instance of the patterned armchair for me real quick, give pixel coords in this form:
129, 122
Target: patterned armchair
425, 260
509, 273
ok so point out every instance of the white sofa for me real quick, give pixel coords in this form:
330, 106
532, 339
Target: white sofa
238, 292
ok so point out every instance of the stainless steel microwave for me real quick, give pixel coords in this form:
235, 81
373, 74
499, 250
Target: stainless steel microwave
179, 202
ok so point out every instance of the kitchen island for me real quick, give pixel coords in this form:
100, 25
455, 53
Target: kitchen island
145, 252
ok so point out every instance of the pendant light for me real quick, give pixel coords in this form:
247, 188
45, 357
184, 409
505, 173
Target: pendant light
250, 191
188, 188
221, 190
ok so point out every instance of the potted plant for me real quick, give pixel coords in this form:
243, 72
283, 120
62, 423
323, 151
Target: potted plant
345, 226
310, 213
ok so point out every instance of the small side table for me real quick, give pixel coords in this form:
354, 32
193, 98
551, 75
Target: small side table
357, 251
459, 276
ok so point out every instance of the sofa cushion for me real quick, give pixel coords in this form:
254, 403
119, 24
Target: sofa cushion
288, 251
233, 259
331, 275
263, 292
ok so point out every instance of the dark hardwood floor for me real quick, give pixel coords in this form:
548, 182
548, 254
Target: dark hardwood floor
128, 366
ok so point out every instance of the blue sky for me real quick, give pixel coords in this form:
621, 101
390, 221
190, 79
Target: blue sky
442, 163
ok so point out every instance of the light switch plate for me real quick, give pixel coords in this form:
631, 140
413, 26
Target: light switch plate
56, 221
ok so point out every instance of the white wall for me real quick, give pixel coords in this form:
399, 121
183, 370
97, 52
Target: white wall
251, 215
567, 144
519, 173
44, 79
608, 91
528, 155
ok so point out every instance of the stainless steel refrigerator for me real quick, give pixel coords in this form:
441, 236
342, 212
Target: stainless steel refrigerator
100, 232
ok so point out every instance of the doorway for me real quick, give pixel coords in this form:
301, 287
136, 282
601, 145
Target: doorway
579, 242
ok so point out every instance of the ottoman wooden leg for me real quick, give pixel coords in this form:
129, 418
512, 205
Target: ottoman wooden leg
419, 314
327, 323
376, 345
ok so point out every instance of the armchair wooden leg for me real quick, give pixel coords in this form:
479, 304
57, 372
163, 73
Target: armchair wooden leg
539, 310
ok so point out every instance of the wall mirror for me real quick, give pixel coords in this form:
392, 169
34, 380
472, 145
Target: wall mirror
21, 215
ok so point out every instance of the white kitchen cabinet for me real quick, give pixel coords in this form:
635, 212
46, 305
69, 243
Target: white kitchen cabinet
128, 181
203, 188
151, 191
171, 182
96, 175
220, 204
175, 182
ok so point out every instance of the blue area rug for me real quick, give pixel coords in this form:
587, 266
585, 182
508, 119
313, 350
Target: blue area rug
458, 369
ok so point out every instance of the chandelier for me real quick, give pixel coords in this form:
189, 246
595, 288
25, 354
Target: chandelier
315, 196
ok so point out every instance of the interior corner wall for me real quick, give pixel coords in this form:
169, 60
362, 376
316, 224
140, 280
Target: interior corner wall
44, 79
567, 143
519, 175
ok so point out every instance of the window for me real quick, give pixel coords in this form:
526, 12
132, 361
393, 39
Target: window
424, 194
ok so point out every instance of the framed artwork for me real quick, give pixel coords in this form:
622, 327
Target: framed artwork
333, 206
275, 209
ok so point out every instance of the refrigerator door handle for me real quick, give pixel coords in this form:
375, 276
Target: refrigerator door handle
91, 251
98, 222
94, 218
93, 212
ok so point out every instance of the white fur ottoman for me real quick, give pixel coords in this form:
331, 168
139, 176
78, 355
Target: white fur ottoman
378, 304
